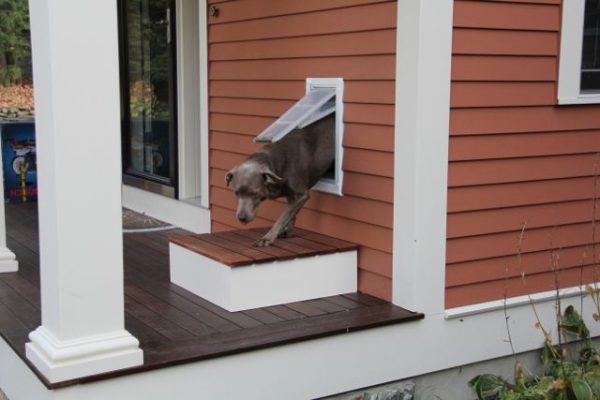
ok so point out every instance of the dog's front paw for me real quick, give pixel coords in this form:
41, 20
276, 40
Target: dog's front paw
264, 242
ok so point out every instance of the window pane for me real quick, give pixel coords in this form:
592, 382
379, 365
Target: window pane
590, 62
148, 47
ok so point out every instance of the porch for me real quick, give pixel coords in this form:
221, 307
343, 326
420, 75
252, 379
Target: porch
174, 326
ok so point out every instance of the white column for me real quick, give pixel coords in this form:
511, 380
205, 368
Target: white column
76, 80
423, 60
8, 262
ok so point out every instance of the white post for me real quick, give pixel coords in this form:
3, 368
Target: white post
76, 81
423, 60
8, 262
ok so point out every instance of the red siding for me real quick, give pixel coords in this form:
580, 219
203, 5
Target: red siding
516, 159
260, 52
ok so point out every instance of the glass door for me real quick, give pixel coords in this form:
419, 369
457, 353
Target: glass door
147, 31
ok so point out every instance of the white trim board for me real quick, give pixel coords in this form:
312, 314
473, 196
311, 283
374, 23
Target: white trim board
204, 146
327, 366
192, 100
333, 186
511, 302
188, 98
423, 60
185, 215
571, 42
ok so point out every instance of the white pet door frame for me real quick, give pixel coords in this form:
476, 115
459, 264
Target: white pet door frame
323, 97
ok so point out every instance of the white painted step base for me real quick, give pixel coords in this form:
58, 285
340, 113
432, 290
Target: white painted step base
265, 284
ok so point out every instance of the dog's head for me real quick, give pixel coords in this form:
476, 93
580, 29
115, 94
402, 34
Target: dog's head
252, 183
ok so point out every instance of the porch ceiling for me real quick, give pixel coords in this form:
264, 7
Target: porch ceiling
173, 325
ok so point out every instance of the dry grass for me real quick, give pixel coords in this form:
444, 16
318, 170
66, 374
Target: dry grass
17, 96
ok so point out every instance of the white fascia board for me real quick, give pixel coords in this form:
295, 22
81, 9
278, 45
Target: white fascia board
423, 61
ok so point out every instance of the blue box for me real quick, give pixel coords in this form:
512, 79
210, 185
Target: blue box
19, 161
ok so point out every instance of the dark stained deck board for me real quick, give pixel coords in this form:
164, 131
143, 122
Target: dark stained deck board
340, 245
297, 251
166, 295
284, 312
306, 308
235, 248
344, 302
28, 314
284, 333
364, 299
264, 316
253, 253
274, 251
173, 325
218, 253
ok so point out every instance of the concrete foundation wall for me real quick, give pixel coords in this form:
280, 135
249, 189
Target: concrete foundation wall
451, 384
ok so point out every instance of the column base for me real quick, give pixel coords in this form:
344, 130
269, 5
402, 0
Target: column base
8, 261
65, 360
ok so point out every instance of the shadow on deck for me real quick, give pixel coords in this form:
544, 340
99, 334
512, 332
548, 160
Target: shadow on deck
173, 325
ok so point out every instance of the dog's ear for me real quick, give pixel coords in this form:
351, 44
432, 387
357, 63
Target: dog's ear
271, 179
229, 177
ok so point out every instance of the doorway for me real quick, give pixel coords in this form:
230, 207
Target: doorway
149, 102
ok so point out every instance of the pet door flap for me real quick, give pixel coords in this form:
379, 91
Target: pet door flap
316, 104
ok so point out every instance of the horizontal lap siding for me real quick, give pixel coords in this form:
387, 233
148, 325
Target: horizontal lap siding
522, 171
260, 52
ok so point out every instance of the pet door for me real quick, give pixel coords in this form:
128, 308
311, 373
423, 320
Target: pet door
324, 96
316, 104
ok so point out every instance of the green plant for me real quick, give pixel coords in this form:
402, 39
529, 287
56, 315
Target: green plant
14, 39
566, 376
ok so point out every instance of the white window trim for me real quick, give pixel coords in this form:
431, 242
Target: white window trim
571, 41
192, 82
333, 186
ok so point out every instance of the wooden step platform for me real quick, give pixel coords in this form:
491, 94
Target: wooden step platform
226, 269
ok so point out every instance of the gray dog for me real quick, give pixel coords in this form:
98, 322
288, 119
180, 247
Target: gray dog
287, 168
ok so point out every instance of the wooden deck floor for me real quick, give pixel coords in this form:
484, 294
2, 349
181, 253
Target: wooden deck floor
173, 325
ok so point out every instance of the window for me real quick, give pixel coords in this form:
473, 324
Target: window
324, 96
579, 73
590, 60
164, 97
149, 95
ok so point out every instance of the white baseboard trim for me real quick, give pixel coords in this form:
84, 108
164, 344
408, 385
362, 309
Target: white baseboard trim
64, 360
182, 214
265, 284
511, 302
